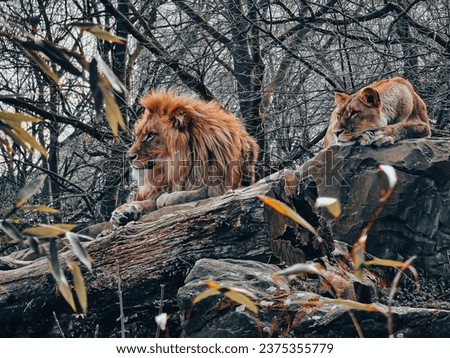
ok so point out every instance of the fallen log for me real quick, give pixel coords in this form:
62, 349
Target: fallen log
157, 251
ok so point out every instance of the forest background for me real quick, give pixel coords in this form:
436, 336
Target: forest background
275, 64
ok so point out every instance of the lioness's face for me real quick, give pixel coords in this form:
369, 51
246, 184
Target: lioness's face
356, 114
149, 149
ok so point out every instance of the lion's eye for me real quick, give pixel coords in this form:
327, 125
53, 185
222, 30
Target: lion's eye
353, 113
149, 137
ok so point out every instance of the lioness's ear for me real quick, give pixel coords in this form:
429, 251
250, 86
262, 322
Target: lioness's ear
369, 97
340, 98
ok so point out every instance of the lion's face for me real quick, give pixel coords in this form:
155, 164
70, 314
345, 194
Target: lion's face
356, 114
160, 152
149, 146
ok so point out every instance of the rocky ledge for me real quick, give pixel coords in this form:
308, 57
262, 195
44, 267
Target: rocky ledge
163, 260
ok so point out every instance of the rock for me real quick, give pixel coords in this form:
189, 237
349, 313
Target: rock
416, 219
163, 247
217, 316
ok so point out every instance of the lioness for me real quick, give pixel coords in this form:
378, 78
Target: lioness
185, 150
380, 114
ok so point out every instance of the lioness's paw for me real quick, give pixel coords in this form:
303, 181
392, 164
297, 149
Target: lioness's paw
125, 213
366, 138
381, 138
163, 200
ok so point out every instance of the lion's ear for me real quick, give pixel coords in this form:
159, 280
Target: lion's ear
370, 97
180, 121
340, 98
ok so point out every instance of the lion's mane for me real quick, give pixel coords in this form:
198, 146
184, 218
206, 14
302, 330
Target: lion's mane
201, 144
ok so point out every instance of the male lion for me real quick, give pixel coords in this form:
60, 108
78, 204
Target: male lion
380, 114
185, 150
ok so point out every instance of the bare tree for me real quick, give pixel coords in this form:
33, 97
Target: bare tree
273, 63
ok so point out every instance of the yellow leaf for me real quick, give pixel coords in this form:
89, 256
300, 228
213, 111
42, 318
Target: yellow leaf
212, 284
236, 294
384, 262
26, 137
18, 117
105, 35
16, 138
112, 110
65, 291
41, 208
44, 67
7, 146
209, 292
341, 302
285, 210
332, 204
241, 299
48, 231
79, 285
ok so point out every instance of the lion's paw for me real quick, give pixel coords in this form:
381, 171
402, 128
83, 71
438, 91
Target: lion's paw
163, 200
366, 138
382, 138
125, 213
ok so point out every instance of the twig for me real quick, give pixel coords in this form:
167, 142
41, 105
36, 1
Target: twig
395, 283
119, 289
161, 303
356, 324
58, 325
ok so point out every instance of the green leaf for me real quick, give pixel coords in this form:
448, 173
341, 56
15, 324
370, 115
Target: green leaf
34, 245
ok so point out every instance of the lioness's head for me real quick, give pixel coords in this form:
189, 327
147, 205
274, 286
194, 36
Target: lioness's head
357, 113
